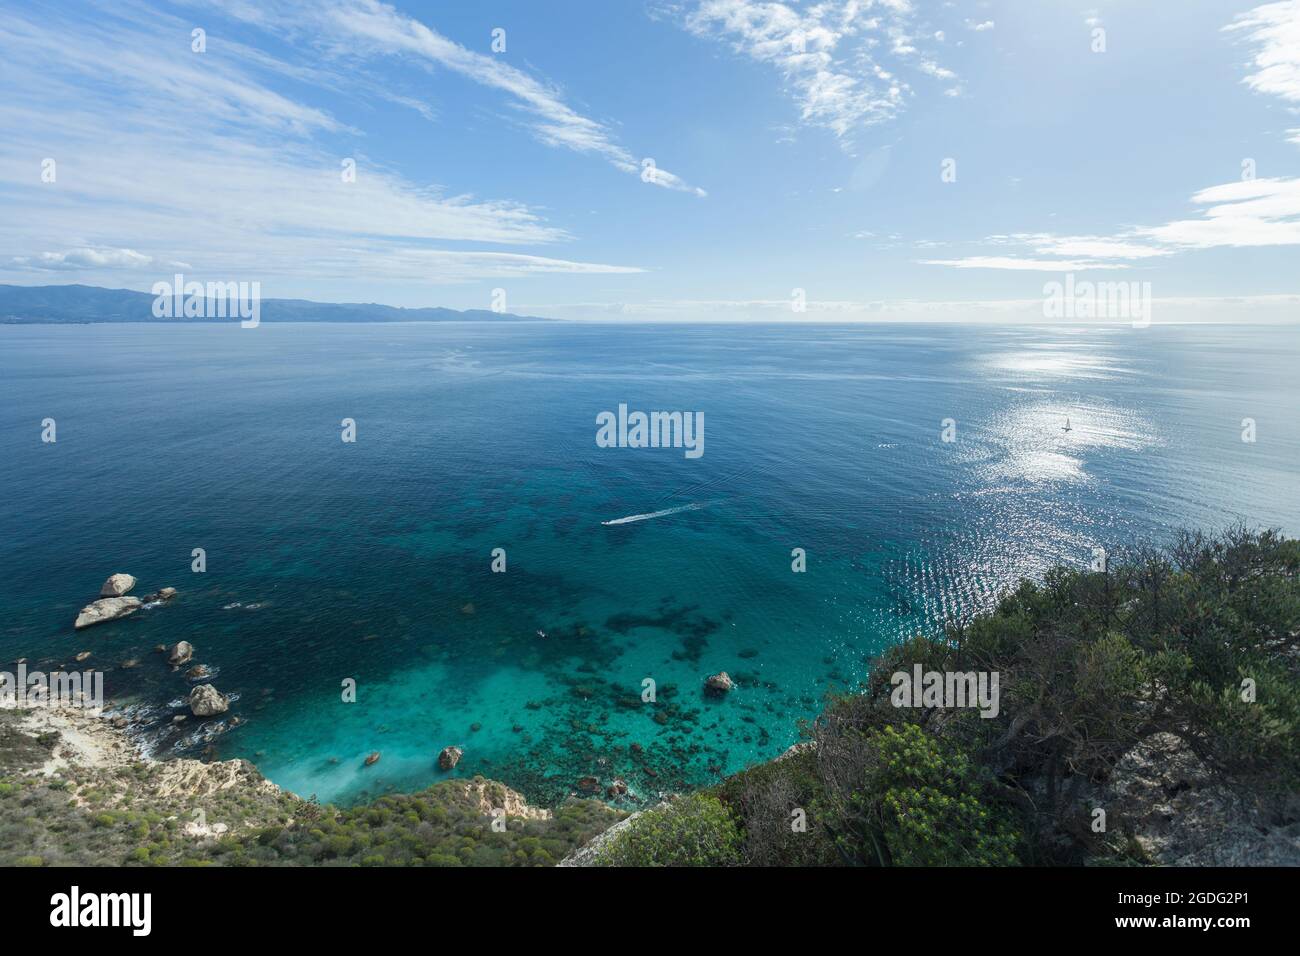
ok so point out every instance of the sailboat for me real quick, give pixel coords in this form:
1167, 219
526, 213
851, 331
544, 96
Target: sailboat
1066, 426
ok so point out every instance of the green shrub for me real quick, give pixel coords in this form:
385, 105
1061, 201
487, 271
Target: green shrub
696, 830
923, 800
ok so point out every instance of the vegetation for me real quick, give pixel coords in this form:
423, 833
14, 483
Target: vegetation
1196, 645
88, 817
695, 830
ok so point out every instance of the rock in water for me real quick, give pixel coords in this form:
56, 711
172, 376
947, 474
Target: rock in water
719, 684
449, 757
106, 609
117, 585
167, 593
207, 701
181, 653
373, 758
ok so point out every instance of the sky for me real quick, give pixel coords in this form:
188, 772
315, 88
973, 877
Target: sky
661, 159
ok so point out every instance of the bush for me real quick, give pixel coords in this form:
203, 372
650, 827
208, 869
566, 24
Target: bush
696, 830
1201, 642
919, 800
774, 802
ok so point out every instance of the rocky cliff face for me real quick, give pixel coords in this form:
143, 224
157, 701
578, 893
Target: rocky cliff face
75, 791
494, 799
89, 751
1181, 815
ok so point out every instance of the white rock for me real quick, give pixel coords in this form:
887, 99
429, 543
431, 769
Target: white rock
117, 585
106, 609
207, 701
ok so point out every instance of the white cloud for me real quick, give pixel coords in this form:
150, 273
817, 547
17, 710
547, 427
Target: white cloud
1023, 264
1275, 29
378, 29
1186, 309
165, 156
979, 27
1257, 212
830, 53
1249, 213
86, 258
1094, 247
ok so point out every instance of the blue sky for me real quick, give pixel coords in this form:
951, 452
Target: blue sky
795, 146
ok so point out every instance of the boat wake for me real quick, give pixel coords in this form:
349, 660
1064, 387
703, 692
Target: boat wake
695, 506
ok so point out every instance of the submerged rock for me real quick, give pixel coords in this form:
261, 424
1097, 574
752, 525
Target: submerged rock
373, 758
616, 789
719, 684
106, 609
163, 594
207, 701
117, 585
589, 785
449, 757
181, 653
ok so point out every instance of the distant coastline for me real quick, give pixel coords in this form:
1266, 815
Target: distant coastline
84, 305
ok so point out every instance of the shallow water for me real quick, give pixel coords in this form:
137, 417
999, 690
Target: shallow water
371, 560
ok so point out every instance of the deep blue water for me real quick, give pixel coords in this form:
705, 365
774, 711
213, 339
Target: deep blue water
371, 560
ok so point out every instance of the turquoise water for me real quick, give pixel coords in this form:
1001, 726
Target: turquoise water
371, 560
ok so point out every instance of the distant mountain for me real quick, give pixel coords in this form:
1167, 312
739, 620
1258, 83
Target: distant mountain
65, 304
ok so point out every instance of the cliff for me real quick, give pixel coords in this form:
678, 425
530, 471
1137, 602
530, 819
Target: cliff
74, 791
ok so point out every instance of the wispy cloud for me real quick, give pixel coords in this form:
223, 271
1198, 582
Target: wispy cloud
831, 54
1257, 212
1274, 28
1188, 309
1020, 264
1245, 214
374, 29
86, 258
1249, 213
165, 156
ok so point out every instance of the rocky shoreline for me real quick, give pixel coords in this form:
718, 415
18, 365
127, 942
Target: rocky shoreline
83, 741
76, 770
1163, 792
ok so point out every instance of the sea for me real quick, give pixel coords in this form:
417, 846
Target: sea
474, 569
